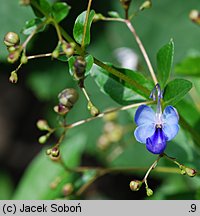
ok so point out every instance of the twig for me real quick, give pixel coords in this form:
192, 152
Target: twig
85, 24
105, 113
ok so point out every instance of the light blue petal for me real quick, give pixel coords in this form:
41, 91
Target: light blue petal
170, 115
144, 131
144, 115
170, 130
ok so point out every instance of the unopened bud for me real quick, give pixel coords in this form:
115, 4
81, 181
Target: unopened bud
149, 192
195, 16
67, 189
93, 110
115, 132
11, 39
135, 185
103, 142
61, 110
55, 154
190, 172
68, 97
42, 139
43, 125
98, 17
112, 116
48, 151
13, 56
55, 183
79, 68
12, 48
25, 2
55, 53
13, 77
24, 59
68, 49
146, 5
125, 4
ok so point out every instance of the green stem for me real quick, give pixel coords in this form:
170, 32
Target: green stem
85, 24
123, 77
105, 113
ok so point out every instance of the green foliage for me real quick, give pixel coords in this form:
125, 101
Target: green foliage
41, 8
176, 90
117, 89
9, 23
6, 186
79, 27
36, 181
60, 10
164, 62
32, 25
189, 66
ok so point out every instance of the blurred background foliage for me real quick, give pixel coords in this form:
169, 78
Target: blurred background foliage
26, 172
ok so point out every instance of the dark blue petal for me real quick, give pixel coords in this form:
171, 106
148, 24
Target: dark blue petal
156, 144
144, 115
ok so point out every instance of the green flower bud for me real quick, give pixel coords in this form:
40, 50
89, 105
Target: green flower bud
195, 16
103, 142
149, 192
135, 185
112, 116
25, 2
43, 125
55, 53
67, 189
24, 59
190, 172
13, 77
146, 5
42, 139
12, 48
98, 17
68, 97
48, 152
11, 39
93, 110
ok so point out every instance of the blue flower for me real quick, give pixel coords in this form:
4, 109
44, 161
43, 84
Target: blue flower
156, 128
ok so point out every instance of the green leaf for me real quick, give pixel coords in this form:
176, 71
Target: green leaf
6, 186
41, 80
60, 10
41, 8
9, 10
117, 89
35, 184
79, 27
31, 25
176, 90
114, 14
89, 63
189, 66
164, 62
